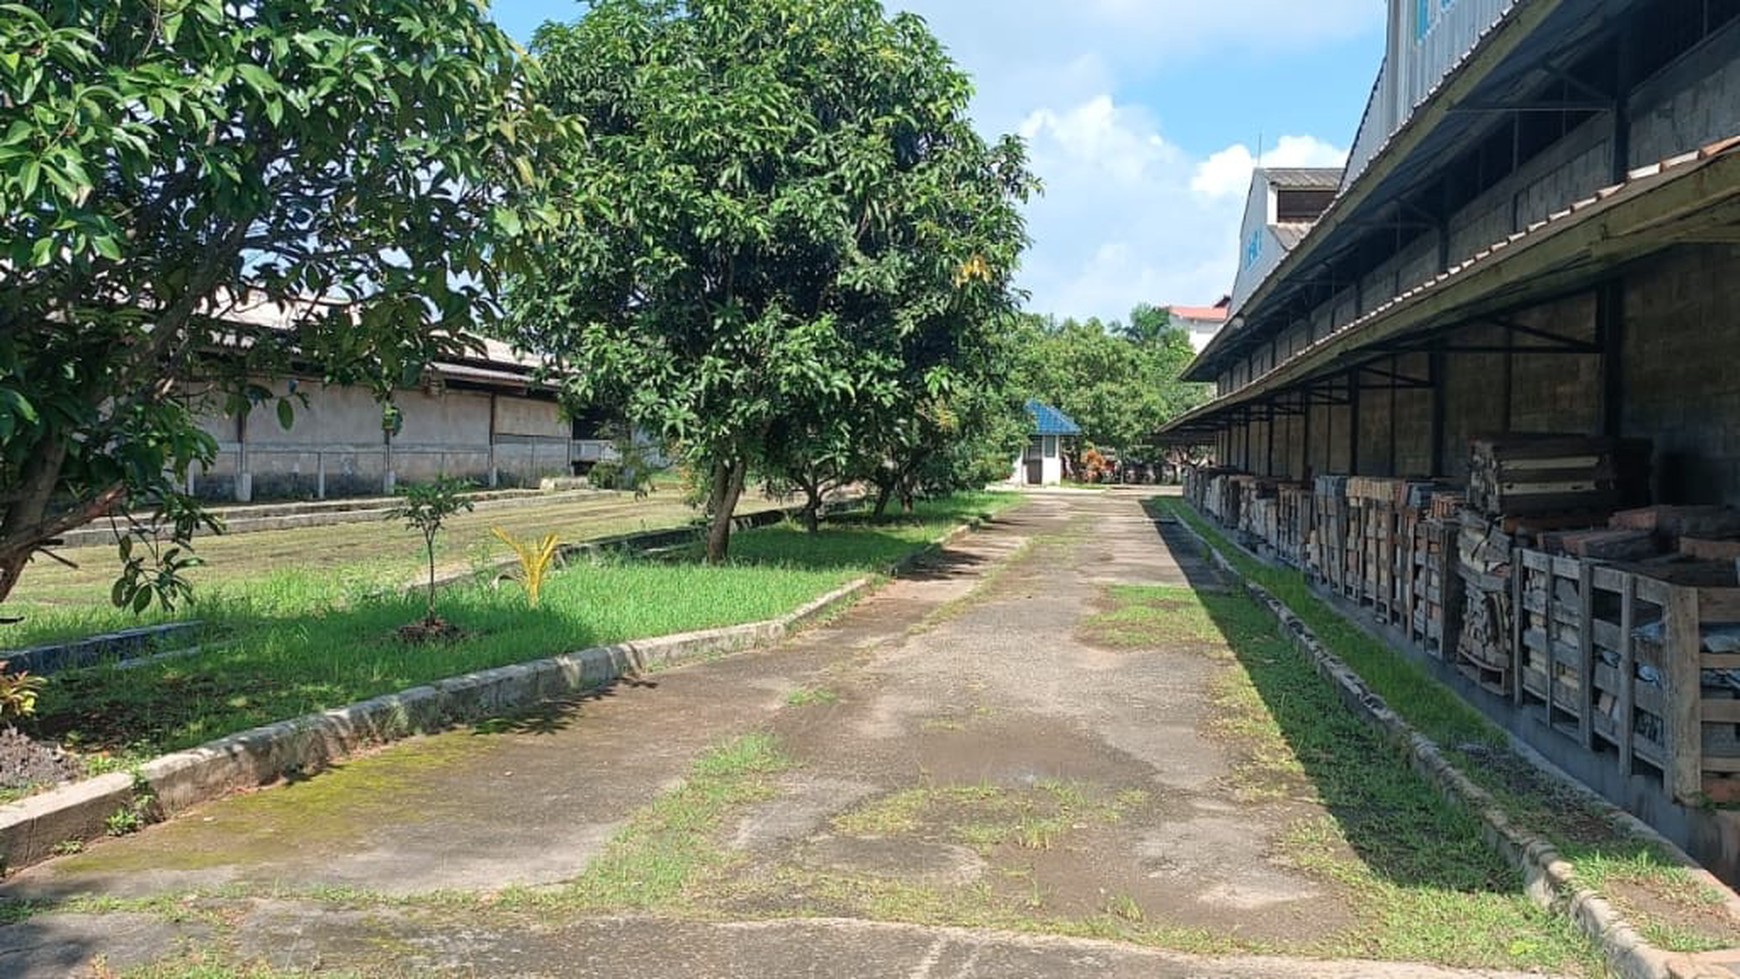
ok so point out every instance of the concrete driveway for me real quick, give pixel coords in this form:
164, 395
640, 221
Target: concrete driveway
962, 748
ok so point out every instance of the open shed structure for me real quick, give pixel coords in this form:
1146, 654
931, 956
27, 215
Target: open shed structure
1518, 317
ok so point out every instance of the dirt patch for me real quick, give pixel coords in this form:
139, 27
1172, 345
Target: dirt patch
27, 764
435, 630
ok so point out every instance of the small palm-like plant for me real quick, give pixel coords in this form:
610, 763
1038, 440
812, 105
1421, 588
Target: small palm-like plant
18, 693
535, 562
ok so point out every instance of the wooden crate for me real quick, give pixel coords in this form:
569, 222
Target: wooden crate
1435, 607
1667, 616
1518, 475
1329, 530
1555, 656
1295, 505
1486, 647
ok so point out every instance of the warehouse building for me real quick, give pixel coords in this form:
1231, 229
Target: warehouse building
1538, 231
483, 415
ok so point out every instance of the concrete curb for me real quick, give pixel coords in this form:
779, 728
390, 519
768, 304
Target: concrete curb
1548, 878
31, 828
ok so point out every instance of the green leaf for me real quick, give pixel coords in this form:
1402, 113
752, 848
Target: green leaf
286, 414
107, 246
507, 221
257, 78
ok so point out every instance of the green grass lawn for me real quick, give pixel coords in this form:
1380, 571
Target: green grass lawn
300, 641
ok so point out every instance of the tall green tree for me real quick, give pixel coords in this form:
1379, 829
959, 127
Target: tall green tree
1120, 382
194, 192
779, 217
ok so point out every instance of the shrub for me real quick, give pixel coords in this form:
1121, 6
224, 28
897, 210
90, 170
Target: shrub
18, 693
424, 508
604, 475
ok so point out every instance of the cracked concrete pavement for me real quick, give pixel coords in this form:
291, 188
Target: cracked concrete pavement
963, 699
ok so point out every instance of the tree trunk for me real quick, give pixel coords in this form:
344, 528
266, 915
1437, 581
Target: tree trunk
429, 545
26, 515
884, 493
813, 508
727, 489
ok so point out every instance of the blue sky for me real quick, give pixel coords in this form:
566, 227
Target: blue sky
1142, 118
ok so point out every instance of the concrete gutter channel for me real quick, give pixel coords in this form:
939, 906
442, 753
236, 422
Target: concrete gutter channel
1548, 879
31, 828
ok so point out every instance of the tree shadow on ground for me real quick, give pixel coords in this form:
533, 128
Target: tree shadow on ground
1389, 816
291, 663
557, 715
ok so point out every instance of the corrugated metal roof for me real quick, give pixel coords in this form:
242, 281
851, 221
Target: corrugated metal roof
1291, 233
1049, 421
1304, 178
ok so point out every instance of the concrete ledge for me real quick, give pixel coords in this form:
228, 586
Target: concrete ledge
1548, 878
31, 828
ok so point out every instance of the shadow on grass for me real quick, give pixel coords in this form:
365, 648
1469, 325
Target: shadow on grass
273, 665
309, 648
1390, 817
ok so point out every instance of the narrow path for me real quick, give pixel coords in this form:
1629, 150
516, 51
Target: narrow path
974, 745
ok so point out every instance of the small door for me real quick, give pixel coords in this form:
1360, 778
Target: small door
1035, 472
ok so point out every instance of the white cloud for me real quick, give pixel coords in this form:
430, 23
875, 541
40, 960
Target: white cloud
1228, 173
1129, 217
1072, 49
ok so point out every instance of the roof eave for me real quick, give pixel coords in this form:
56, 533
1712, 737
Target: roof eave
1499, 44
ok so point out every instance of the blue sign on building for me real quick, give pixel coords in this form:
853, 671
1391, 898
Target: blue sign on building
1254, 248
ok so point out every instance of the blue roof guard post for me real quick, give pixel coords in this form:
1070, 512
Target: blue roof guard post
1049, 421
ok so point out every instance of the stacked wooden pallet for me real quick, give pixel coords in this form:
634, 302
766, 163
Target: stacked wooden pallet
1637, 662
1485, 653
1445, 505
1329, 530
1413, 509
1258, 510
1553, 642
1372, 540
1436, 604
1529, 475
1294, 501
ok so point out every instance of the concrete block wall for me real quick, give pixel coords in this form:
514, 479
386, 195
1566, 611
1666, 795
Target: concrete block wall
1567, 171
1693, 102
1473, 398
336, 445
1378, 286
1558, 392
1412, 421
1340, 418
1682, 388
